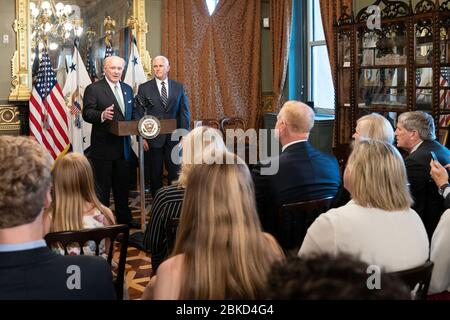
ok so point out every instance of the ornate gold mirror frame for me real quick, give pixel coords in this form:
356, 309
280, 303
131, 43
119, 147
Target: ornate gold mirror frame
21, 68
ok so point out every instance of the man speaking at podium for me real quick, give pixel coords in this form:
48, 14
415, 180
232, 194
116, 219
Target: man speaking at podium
106, 100
166, 100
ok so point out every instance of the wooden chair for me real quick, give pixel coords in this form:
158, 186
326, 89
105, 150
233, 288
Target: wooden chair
294, 219
242, 145
171, 233
417, 277
70, 238
213, 123
231, 123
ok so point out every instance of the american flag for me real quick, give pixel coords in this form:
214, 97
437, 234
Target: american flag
444, 96
90, 67
75, 110
48, 118
109, 50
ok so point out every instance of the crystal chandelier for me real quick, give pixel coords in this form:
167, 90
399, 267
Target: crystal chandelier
52, 23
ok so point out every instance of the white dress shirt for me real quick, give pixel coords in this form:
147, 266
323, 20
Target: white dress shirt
291, 143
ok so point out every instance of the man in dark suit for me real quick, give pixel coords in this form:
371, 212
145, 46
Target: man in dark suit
166, 100
28, 268
106, 100
415, 134
304, 173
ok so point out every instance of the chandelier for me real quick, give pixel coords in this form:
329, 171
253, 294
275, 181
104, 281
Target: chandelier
52, 23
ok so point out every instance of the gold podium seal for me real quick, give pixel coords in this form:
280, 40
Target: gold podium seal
149, 127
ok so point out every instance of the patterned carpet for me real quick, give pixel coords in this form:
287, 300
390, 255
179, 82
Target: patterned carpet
138, 266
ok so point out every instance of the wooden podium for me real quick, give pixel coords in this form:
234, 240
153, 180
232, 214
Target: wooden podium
130, 128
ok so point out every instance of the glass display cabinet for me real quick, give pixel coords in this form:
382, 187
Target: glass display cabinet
401, 64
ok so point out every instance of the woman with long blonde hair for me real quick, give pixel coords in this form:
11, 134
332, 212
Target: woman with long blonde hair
168, 200
75, 205
221, 251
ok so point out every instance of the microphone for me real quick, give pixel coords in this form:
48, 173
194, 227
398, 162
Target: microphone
143, 102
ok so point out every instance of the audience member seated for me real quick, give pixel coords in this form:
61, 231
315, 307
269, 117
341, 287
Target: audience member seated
329, 277
75, 205
220, 250
378, 224
374, 126
304, 173
28, 269
371, 126
440, 255
168, 200
416, 134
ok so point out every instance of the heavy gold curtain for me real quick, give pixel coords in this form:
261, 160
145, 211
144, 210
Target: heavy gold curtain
218, 57
330, 9
280, 25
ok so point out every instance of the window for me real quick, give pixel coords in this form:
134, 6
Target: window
212, 4
309, 74
320, 82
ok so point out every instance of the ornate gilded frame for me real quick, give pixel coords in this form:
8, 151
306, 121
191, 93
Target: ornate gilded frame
20, 67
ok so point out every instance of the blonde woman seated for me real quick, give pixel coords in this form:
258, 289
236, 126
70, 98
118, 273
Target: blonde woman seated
168, 200
220, 250
377, 225
374, 126
75, 205
371, 126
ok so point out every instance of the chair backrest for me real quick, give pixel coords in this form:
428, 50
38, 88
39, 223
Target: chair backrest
231, 123
294, 219
171, 233
213, 123
417, 279
81, 237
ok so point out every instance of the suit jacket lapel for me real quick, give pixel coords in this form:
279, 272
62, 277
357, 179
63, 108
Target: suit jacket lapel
125, 101
154, 87
171, 92
109, 93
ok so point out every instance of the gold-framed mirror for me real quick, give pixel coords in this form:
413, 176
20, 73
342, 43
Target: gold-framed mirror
133, 17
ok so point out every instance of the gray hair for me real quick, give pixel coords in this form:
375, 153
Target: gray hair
420, 121
165, 60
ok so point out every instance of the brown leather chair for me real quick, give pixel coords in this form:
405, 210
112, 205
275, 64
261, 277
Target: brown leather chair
419, 277
118, 233
294, 219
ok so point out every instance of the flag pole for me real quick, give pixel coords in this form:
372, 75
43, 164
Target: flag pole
132, 24
76, 42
